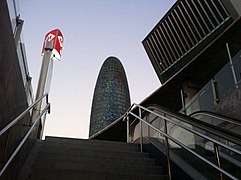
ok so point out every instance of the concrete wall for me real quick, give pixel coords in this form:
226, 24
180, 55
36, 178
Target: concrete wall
12, 97
231, 105
233, 6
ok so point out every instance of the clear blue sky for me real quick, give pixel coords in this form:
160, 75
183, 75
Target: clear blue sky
93, 30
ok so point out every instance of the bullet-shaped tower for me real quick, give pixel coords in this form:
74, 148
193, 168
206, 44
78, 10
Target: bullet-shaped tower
111, 95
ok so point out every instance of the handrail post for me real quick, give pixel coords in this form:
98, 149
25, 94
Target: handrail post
141, 139
183, 102
148, 128
216, 151
128, 129
231, 66
167, 151
47, 98
47, 102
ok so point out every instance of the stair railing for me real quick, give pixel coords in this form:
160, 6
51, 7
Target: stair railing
216, 116
45, 110
137, 114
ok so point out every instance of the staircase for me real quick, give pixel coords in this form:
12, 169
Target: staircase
76, 159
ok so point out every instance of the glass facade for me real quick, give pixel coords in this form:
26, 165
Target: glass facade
111, 96
13, 8
14, 13
225, 82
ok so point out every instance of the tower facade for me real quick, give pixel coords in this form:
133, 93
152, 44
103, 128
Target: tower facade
111, 95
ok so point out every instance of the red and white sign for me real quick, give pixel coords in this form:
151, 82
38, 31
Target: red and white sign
58, 39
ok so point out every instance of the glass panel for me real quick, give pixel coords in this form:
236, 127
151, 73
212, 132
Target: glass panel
181, 134
186, 159
237, 66
225, 81
135, 130
22, 64
13, 7
202, 101
206, 98
12, 13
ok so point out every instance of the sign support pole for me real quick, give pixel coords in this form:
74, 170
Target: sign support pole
42, 84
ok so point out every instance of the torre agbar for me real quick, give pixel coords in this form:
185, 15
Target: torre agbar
111, 95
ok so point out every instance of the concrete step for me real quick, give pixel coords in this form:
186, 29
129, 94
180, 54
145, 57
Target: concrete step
94, 144
78, 175
90, 145
86, 146
88, 141
91, 153
97, 167
65, 158
74, 158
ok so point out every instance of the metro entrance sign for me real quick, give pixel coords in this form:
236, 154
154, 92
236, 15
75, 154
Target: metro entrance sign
52, 49
57, 38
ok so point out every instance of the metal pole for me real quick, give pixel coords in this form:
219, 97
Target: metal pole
42, 83
18, 30
167, 152
231, 65
218, 159
215, 91
128, 129
148, 128
183, 102
141, 140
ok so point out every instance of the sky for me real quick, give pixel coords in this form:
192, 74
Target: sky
93, 30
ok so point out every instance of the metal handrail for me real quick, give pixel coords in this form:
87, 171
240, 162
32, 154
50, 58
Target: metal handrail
24, 139
188, 149
44, 111
215, 142
234, 138
195, 132
203, 125
217, 116
20, 116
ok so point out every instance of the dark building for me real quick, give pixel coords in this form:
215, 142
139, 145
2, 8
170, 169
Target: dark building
15, 88
182, 34
189, 47
111, 95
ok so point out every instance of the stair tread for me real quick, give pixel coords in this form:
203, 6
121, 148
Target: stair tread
77, 175
87, 141
86, 149
60, 158
100, 168
130, 160
90, 145
91, 152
